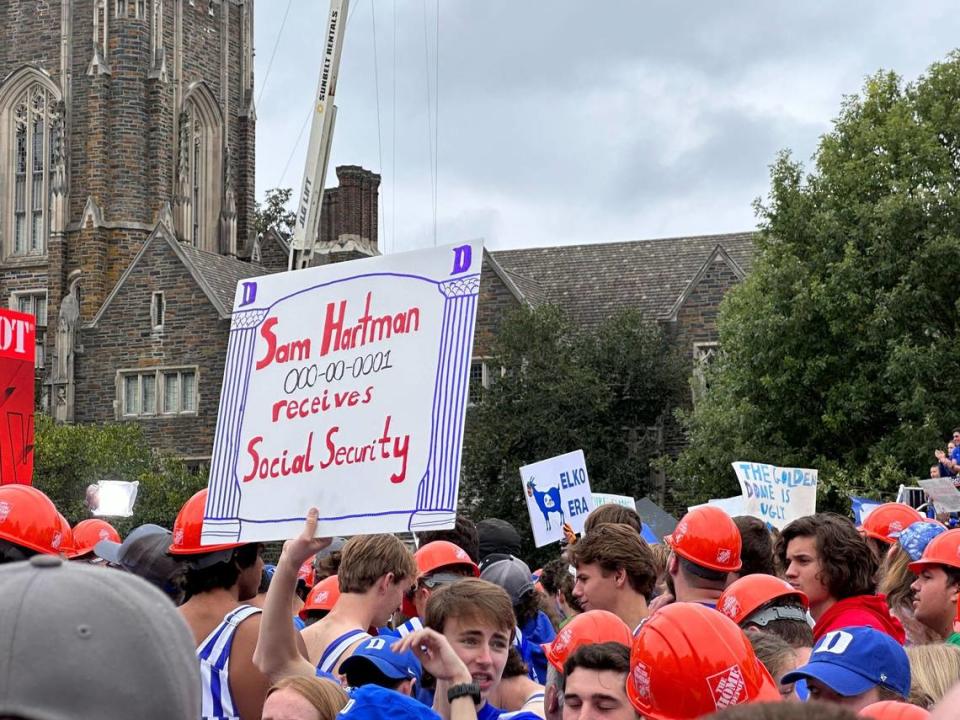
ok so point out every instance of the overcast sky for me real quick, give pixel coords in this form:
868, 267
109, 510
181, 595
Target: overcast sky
563, 121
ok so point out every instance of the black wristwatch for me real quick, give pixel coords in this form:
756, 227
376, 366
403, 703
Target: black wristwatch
460, 690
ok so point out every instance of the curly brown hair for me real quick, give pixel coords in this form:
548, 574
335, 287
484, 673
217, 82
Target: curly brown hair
847, 564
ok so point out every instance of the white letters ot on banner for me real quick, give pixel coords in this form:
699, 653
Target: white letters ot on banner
777, 495
345, 388
557, 492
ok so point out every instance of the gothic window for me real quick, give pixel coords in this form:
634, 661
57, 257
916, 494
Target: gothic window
130, 8
33, 302
704, 355
31, 170
156, 392
201, 170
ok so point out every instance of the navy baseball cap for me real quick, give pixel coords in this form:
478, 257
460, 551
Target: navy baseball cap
852, 660
372, 702
376, 652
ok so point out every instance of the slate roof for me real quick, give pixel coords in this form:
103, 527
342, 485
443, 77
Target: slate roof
591, 282
217, 275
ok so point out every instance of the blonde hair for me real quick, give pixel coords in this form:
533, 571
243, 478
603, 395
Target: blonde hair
327, 697
367, 558
934, 669
895, 579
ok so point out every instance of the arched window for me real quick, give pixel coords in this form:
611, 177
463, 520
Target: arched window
201, 169
30, 138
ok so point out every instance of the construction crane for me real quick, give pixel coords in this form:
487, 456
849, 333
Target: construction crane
305, 229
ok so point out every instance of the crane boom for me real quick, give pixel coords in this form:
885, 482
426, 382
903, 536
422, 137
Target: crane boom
321, 133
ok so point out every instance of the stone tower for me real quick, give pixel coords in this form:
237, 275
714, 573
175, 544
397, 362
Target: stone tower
117, 116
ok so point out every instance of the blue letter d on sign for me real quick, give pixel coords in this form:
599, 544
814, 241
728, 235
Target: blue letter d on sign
461, 259
249, 293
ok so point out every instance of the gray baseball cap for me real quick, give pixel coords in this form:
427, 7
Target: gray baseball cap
512, 574
83, 641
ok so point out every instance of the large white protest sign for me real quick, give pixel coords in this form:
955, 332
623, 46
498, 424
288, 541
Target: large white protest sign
608, 499
943, 493
777, 495
345, 388
557, 491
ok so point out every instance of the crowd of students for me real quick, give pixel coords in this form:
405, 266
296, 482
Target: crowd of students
726, 618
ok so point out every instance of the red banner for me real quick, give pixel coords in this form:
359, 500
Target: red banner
17, 352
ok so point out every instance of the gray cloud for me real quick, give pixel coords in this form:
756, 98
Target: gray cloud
568, 122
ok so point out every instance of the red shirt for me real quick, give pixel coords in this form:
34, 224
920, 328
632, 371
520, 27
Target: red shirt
860, 611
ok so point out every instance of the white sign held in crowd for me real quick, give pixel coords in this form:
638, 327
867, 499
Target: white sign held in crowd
943, 493
608, 499
777, 495
732, 506
345, 388
557, 492
112, 498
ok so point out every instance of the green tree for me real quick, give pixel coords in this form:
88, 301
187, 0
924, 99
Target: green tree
68, 458
838, 349
562, 390
274, 213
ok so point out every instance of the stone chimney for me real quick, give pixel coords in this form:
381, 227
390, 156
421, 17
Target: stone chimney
349, 217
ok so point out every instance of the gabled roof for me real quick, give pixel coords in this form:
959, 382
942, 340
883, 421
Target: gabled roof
217, 275
592, 282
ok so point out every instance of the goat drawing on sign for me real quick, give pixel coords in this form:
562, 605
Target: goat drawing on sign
548, 502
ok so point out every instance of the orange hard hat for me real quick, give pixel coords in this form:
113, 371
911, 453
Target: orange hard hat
893, 710
887, 520
323, 596
189, 526
307, 573
748, 594
593, 626
29, 519
88, 533
441, 554
708, 537
944, 549
688, 661
66, 537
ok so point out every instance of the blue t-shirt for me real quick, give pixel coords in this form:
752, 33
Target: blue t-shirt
489, 712
537, 631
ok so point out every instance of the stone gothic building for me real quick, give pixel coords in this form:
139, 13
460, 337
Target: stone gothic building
127, 132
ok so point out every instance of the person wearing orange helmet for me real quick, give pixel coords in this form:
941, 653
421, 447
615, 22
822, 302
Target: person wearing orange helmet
593, 626
937, 587
596, 680
705, 549
220, 579
29, 524
769, 604
615, 572
86, 534
438, 562
320, 600
688, 661
830, 562
893, 710
884, 524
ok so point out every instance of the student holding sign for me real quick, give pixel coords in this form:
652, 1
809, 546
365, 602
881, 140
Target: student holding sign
828, 560
374, 572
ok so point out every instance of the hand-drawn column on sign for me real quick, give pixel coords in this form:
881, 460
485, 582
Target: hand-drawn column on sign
345, 388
